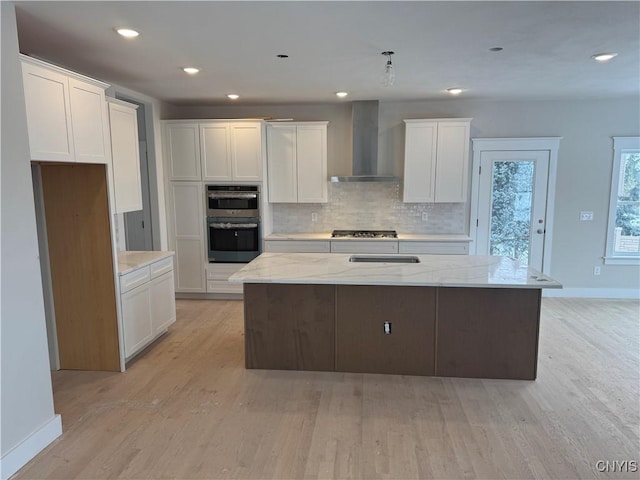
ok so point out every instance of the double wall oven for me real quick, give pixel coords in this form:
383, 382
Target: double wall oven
233, 223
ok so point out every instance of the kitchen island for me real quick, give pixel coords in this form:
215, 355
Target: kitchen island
439, 315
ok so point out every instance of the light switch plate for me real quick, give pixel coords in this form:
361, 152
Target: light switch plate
586, 216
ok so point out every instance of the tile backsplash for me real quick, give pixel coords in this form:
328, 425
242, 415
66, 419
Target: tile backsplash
370, 206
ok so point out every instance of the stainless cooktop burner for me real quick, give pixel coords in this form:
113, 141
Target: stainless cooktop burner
364, 234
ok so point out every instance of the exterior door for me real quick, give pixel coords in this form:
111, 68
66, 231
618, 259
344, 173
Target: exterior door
512, 205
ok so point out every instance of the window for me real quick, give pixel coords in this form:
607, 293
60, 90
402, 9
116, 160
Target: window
623, 234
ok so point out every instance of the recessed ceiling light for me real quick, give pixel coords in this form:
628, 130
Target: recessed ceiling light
127, 32
282, 55
233, 96
191, 70
342, 94
604, 57
496, 49
454, 91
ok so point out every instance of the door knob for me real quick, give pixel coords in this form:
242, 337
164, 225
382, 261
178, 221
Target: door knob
540, 230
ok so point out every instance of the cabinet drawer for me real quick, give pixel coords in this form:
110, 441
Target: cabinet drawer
357, 246
435, 248
297, 246
222, 271
134, 279
219, 286
162, 266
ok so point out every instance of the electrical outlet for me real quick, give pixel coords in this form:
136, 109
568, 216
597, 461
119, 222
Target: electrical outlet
596, 270
314, 217
586, 216
424, 216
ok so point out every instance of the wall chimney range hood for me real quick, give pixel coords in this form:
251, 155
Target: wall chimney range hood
365, 145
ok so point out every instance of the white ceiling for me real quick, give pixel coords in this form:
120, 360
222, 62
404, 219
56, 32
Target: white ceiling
334, 46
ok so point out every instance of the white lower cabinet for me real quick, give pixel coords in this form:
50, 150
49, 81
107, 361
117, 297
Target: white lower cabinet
218, 277
364, 246
148, 307
297, 246
435, 248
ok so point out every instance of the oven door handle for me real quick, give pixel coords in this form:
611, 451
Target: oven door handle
232, 195
229, 226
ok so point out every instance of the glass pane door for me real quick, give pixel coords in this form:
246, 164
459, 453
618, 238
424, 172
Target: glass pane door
512, 200
511, 205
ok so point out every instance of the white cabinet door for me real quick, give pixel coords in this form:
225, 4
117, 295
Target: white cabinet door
246, 151
215, 151
281, 164
123, 122
48, 114
182, 149
453, 162
187, 225
89, 122
436, 160
420, 162
136, 319
163, 302
311, 153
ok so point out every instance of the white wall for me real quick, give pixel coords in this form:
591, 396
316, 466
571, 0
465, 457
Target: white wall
27, 417
584, 161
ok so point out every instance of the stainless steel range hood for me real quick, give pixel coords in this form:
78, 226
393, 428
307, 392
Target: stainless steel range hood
365, 145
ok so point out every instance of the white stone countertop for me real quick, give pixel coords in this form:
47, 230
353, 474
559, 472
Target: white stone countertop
433, 270
409, 237
131, 260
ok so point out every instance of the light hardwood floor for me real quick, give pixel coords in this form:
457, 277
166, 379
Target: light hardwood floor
188, 409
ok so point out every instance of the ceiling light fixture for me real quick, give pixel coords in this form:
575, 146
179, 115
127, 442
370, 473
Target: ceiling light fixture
604, 57
388, 76
341, 94
454, 91
233, 96
191, 70
127, 32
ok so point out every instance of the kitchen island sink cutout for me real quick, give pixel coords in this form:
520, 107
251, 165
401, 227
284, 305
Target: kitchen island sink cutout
388, 259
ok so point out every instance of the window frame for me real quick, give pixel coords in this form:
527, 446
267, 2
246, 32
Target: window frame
621, 145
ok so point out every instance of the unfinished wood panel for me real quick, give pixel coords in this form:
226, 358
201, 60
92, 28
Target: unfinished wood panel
82, 276
362, 344
289, 327
488, 332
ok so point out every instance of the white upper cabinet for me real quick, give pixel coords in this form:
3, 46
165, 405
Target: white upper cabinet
182, 149
66, 114
436, 160
282, 163
246, 151
125, 154
231, 151
214, 151
297, 162
220, 151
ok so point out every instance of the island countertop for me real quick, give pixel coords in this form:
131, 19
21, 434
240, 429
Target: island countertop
478, 271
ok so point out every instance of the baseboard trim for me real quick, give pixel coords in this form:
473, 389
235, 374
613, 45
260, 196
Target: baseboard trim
19, 456
592, 293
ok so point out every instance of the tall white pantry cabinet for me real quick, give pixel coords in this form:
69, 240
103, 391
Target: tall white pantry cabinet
200, 152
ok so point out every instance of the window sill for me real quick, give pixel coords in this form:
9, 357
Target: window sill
622, 260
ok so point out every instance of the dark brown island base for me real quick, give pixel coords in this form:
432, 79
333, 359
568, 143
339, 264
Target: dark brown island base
405, 327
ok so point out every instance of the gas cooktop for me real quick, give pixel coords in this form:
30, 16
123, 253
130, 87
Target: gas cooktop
364, 234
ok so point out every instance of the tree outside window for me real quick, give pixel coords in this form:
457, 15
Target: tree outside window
623, 239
